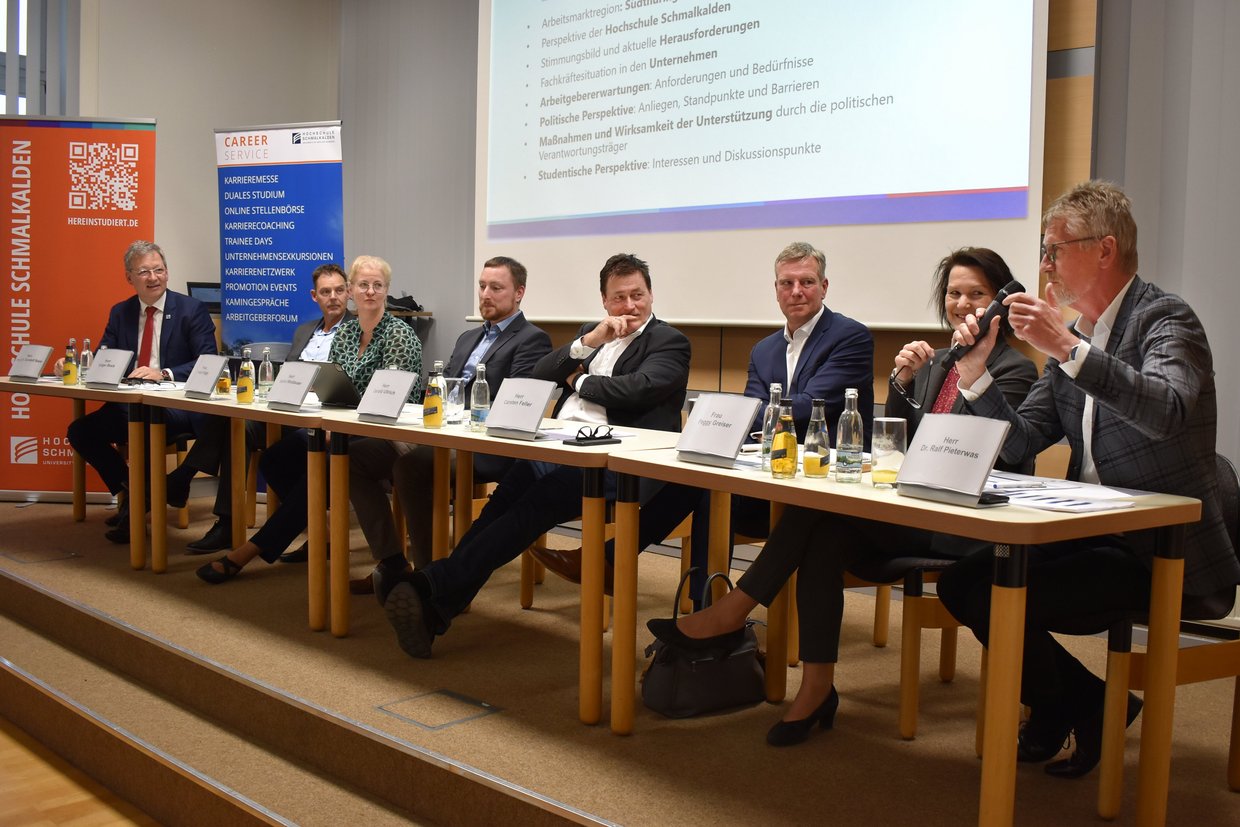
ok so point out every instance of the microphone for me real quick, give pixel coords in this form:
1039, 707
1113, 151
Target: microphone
997, 311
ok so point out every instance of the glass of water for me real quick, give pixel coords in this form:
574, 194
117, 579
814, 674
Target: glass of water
453, 399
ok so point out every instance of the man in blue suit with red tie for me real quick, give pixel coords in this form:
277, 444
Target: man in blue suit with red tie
167, 331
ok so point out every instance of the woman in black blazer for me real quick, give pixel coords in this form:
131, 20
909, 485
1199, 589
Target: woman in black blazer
822, 545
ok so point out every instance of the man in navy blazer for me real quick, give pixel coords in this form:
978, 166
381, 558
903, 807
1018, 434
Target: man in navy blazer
1130, 385
827, 351
508, 345
182, 331
631, 370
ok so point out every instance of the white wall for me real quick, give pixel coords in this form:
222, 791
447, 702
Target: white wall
409, 70
1169, 117
196, 66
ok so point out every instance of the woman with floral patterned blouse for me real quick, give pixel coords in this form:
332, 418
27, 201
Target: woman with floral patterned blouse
371, 341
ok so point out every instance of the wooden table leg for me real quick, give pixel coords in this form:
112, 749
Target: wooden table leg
624, 609
237, 478
593, 517
159, 491
1007, 644
316, 528
339, 562
719, 547
776, 627
79, 470
1162, 654
463, 510
441, 483
274, 434
137, 486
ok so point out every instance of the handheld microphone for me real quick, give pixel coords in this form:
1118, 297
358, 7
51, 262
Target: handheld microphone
997, 311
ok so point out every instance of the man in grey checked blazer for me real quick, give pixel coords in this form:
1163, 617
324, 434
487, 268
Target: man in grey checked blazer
1130, 385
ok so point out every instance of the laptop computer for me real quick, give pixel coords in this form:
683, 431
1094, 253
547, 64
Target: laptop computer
334, 388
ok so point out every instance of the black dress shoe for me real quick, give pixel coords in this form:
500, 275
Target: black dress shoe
119, 533
1042, 737
121, 513
666, 630
406, 611
1089, 743
301, 554
217, 538
788, 733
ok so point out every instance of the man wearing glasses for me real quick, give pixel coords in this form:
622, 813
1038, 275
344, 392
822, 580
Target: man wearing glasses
312, 342
629, 370
167, 332
1130, 385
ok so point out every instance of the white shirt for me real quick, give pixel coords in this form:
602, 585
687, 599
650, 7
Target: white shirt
796, 343
319, 348
577, 409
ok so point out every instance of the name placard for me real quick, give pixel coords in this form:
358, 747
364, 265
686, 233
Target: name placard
108, 369
950, 458
385, 396
517, 410
29, 362
716, 427
291, 386
201, 381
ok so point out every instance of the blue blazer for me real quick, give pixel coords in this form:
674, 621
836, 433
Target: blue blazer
186, 334
839, 354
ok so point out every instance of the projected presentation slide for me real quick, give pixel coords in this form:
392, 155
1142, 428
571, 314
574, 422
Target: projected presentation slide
637, 116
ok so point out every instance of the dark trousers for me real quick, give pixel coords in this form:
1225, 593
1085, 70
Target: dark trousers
284, 465
211, 455
1077, 587
822, 546
95, 436
530, 500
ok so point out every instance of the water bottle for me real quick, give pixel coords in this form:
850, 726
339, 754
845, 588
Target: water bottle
266, 375
432, 403
768, 423
84, 361
849, 440
817, 457
479, 401
245, 379
784, 445
69, 373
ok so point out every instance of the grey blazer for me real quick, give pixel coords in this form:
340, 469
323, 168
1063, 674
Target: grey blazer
1154, 422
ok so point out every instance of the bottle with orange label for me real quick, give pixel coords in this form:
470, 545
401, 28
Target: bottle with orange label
817, 457
245, 379
432, 403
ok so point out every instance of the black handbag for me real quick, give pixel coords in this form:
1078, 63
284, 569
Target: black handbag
680, 684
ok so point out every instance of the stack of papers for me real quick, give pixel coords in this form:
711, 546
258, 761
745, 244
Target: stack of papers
1057, 495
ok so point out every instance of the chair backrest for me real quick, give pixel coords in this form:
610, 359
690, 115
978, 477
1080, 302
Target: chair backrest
1229, 498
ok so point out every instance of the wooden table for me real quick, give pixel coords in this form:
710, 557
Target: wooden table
158, 401
592, 460
127, 395
1012, 529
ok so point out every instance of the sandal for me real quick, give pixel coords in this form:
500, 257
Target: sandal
208, 572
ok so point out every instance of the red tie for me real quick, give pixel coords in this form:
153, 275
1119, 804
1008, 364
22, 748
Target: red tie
148, 333
948, 393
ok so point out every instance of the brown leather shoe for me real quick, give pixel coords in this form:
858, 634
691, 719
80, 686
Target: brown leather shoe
362, 585
567, 564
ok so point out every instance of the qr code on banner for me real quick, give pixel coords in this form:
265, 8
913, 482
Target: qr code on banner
103, 176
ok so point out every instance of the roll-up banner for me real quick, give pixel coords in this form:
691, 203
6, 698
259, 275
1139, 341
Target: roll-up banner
77, 192
281, 216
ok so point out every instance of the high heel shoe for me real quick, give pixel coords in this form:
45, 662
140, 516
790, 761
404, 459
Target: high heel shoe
788, 733
665, 629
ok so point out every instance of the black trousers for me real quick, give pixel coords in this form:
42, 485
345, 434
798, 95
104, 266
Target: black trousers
1077, 587
95, 436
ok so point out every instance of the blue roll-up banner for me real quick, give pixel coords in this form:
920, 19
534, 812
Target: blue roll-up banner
281, 215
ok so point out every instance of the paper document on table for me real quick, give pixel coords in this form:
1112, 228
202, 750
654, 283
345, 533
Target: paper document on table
1077, 498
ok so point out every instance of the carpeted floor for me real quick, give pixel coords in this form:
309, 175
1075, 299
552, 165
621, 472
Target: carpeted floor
501, 695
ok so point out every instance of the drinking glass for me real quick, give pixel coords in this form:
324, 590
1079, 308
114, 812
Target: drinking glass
453, 399
887, 450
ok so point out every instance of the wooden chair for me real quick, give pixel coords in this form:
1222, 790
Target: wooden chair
1211, 661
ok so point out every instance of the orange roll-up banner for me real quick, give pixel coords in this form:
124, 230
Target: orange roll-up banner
76, 194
